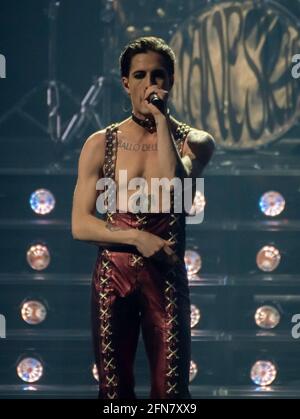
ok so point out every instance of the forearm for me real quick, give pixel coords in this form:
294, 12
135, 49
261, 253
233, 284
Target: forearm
170, 162
92, 229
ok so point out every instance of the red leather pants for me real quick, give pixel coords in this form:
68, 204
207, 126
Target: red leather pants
130, 292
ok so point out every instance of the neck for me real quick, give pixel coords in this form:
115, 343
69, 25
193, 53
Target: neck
148, 123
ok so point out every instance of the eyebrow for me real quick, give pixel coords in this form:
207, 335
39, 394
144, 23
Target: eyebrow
155, 69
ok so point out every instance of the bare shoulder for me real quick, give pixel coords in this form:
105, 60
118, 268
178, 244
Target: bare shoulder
199, 145
92, 153
195, 135
95, 141
199, 136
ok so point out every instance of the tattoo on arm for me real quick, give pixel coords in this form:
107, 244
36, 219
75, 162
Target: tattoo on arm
114, 228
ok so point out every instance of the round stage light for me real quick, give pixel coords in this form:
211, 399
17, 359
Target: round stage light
38, 257
193, 370
30, 370
267, 317
198, 204
263, 373
95, 372
192, 261
268, 258
195, 315
272, 203
131, 29
33, 312
42, 201
160, 12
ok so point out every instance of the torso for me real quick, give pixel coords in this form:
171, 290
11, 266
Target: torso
138, 155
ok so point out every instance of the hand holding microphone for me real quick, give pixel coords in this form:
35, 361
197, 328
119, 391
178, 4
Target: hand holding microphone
156, 101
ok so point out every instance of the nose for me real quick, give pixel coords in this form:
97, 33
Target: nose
150, 79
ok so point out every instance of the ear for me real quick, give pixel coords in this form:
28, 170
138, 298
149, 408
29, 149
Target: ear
171, 81
125, 83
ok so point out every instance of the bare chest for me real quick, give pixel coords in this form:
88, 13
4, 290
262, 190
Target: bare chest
137, 160
136, 167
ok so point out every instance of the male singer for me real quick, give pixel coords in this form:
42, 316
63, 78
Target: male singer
140, 277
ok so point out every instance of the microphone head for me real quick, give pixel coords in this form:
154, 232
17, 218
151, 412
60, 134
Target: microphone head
153, 97
156, 101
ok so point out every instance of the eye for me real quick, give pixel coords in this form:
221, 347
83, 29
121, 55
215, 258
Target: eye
159, 74
139, 75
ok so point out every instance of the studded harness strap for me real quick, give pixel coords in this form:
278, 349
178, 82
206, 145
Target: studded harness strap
111, 146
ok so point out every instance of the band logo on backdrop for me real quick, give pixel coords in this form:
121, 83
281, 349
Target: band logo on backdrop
233, 69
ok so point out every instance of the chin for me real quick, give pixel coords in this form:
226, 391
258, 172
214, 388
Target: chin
143, 112
146, 112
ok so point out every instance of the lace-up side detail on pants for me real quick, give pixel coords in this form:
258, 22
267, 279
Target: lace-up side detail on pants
131, 292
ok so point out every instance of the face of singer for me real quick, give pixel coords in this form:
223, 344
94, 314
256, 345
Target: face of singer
146, 69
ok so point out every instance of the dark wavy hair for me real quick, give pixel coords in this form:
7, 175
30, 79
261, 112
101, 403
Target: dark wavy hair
142, 45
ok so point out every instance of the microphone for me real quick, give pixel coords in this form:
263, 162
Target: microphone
156, 101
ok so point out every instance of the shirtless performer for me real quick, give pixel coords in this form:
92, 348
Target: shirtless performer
140, 278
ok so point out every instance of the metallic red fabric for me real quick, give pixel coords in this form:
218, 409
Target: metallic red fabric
130, 292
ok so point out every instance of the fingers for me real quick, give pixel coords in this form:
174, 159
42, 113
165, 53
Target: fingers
169, 242
166, 255
168, 250
153, 109
151, 89
172, 257
161, 93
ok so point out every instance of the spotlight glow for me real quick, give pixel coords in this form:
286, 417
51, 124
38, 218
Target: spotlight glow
42, 201
30, 370
161, 12
263, 373
272, 203
29, 388
192, 261
267, 317
95, 372
268, 258
131, 29
195, 315
194, 278
193, 370
33, 312
38, 257
198, 204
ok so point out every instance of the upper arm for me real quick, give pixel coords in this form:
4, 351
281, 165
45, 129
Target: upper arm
197, 150
90, 169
